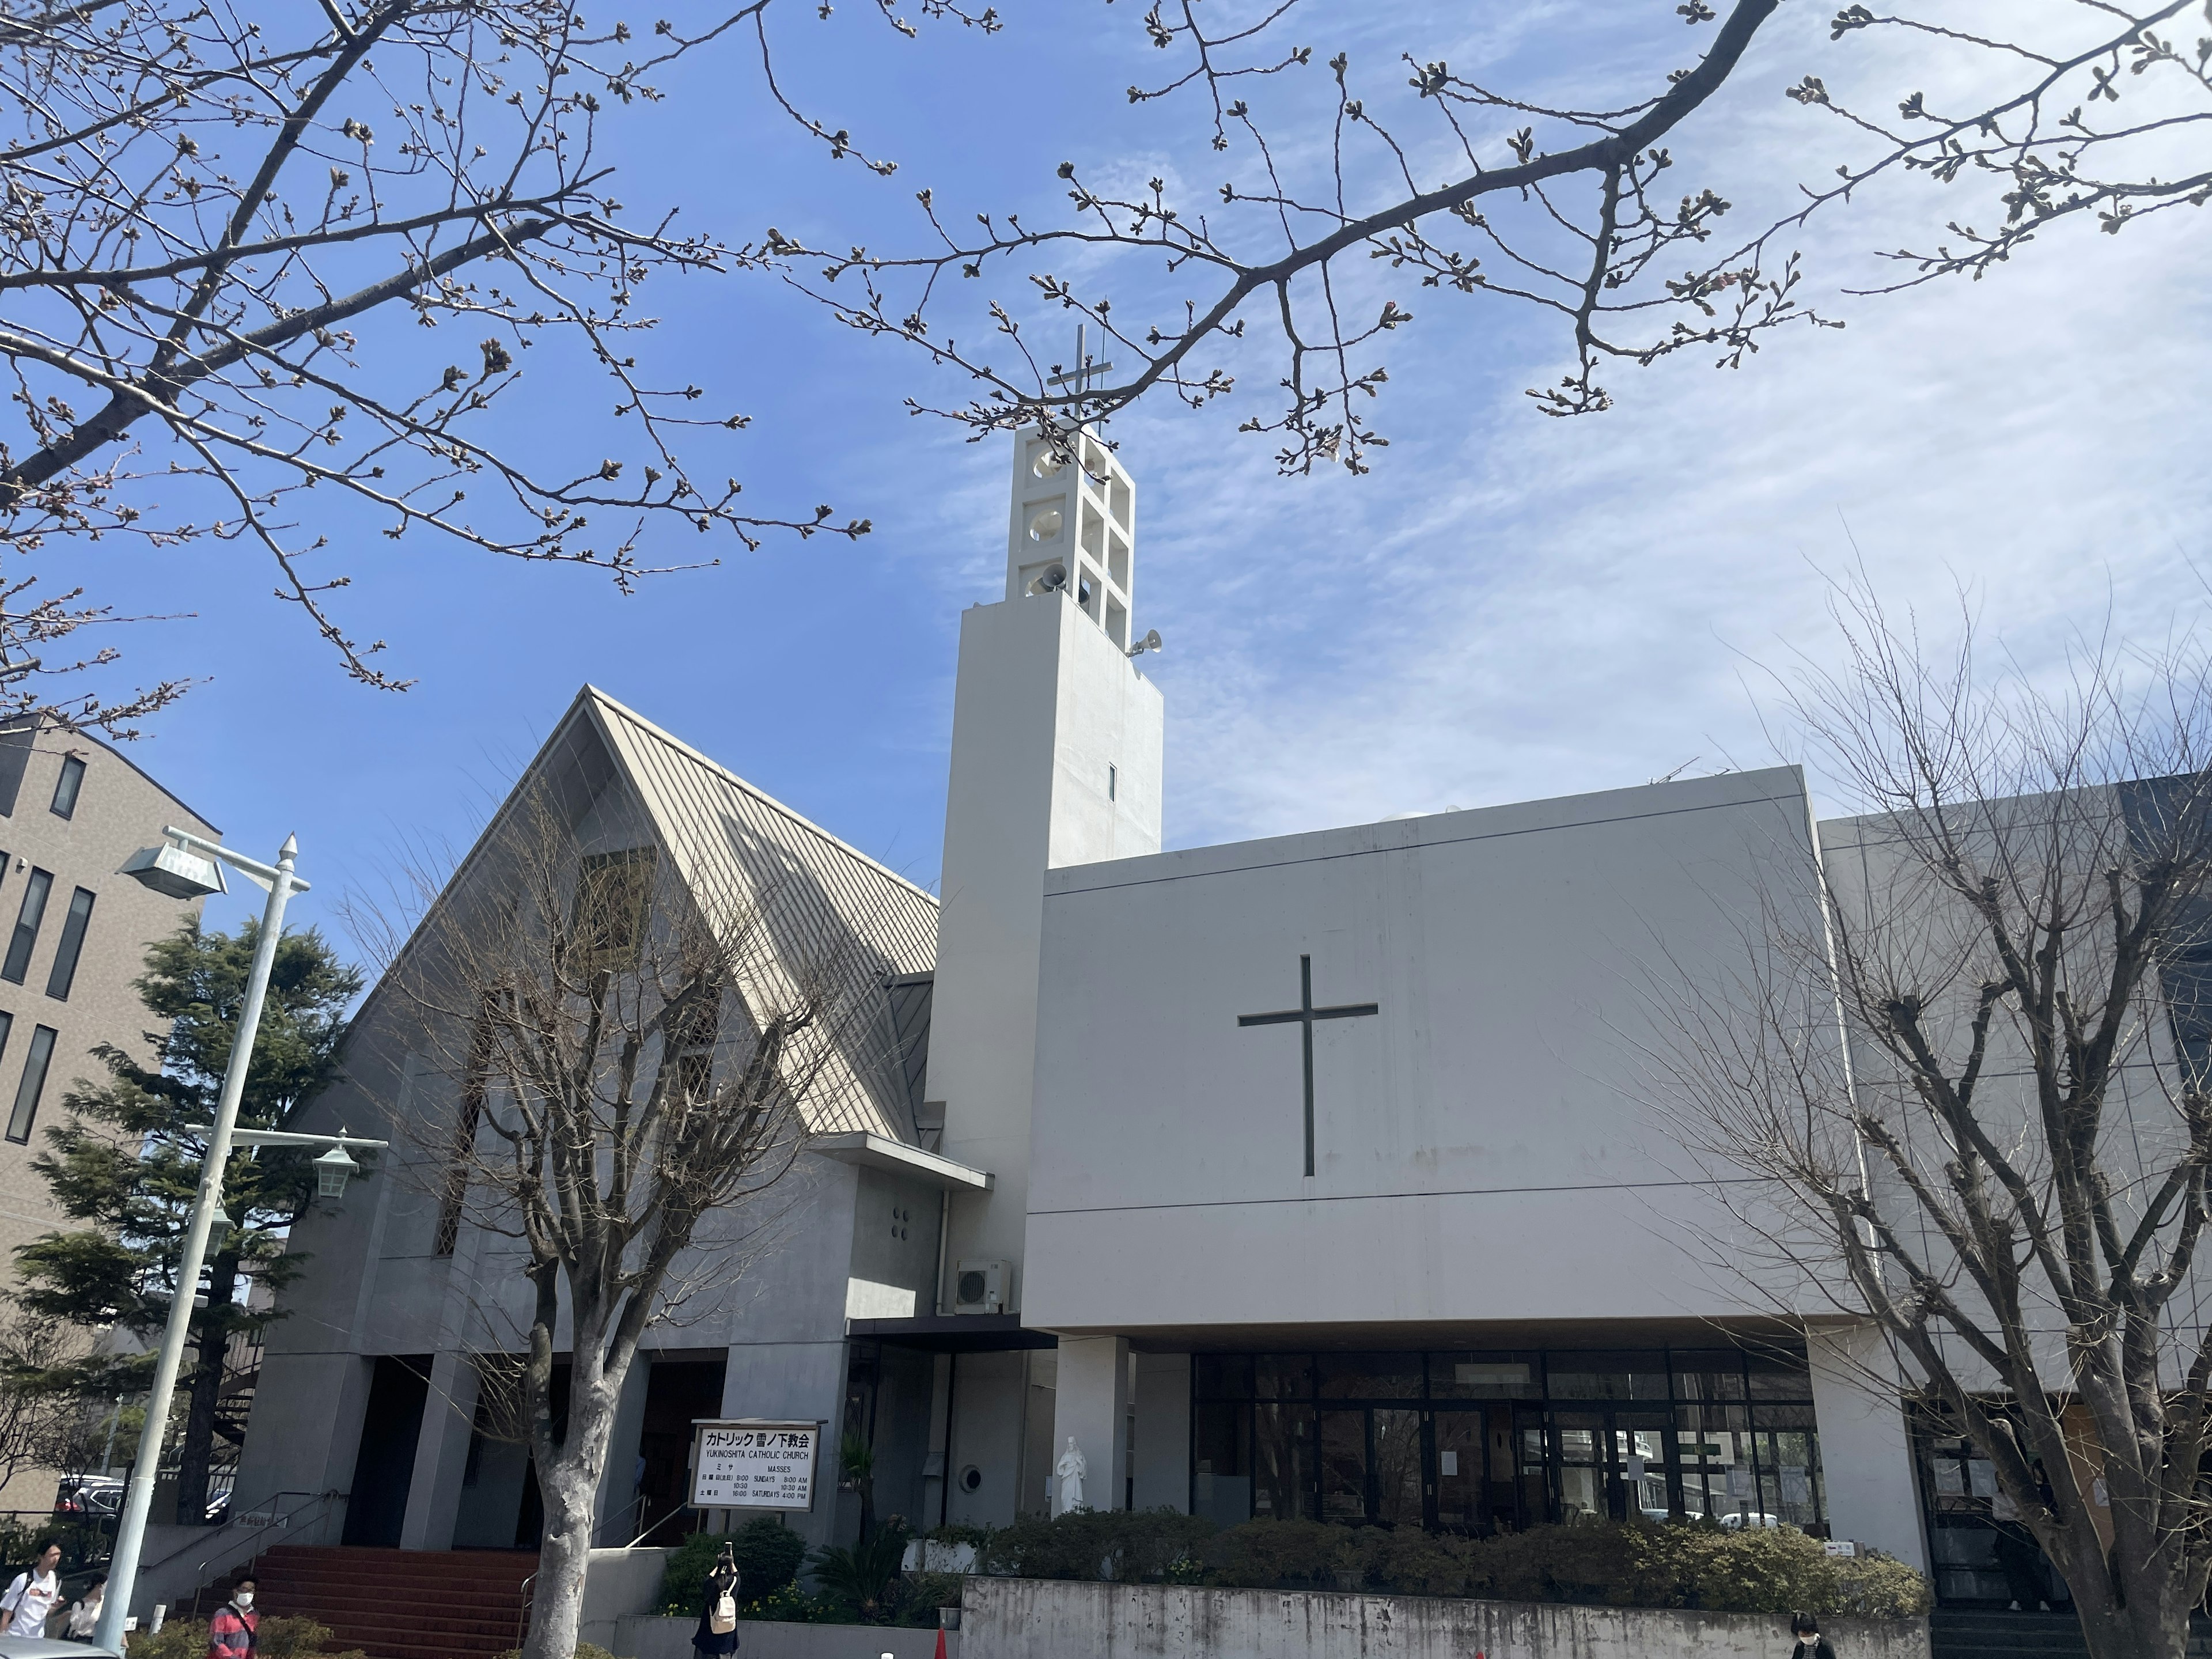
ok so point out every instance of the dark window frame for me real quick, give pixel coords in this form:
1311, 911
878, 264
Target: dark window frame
31, 1085
69, 950
70, 784
30, 919
1231, 1383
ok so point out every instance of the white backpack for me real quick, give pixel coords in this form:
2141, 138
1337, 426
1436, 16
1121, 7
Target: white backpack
724, 1618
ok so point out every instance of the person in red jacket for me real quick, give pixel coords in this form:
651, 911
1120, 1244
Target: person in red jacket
231, 1633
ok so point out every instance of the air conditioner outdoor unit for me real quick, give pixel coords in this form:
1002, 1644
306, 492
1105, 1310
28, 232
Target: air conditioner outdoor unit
980, 1287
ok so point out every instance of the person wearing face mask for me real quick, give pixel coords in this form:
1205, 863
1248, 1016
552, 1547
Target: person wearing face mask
233, 1632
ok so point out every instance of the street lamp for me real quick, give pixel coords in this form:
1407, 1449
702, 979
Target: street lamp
191, 867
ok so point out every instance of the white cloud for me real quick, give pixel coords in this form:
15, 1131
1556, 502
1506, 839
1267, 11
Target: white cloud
1513, 607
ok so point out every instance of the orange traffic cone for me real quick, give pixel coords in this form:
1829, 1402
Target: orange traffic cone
941, 1641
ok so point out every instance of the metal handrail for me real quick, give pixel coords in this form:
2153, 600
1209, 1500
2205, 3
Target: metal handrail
524, 1592
264, 1534
239, 1520
267, 1532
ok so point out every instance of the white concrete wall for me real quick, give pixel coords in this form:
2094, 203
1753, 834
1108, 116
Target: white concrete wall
620, 1585
1486, 1149
1866, 1451
1091, 1412
647, 1637
1034, 1618
1045, 703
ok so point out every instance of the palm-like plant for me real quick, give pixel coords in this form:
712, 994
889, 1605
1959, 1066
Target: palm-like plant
867, 1576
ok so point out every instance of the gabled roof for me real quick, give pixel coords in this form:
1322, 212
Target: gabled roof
736, 848
824, 902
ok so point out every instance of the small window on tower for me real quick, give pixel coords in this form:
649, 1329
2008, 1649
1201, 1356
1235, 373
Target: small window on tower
1112, 781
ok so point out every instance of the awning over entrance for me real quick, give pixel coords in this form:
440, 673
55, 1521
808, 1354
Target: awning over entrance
952, 1333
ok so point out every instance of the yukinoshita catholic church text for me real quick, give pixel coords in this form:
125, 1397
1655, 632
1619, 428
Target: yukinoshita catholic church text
1319, 1175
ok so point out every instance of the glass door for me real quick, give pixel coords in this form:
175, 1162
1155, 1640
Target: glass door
1644, 1485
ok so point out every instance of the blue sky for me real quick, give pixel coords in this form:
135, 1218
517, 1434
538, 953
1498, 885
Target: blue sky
1507, 607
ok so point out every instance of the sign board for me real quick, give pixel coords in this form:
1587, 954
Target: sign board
1843, 1546
748, 1463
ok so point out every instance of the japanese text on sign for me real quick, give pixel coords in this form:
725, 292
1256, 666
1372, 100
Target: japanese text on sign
754, 1466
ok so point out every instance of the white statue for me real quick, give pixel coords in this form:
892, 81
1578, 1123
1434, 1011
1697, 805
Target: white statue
1070, 1469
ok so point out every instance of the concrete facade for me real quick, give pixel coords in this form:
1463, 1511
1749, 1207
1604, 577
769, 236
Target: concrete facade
117, 810
59, 889
1033, 1618
1320, 1174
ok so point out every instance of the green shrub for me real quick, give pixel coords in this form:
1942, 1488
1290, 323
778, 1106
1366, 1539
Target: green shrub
1636, 1565
1278, 1555
1139, 1547
865, 1580
924, 1593
768, 1554
276, 1638
791, 1604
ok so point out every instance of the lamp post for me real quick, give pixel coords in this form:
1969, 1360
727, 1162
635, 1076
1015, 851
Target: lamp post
187, 868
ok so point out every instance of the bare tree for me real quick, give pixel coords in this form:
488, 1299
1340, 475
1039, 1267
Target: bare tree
1426, 179
639, 1054
223, 233
215, 224
1959, 1087
45, 1422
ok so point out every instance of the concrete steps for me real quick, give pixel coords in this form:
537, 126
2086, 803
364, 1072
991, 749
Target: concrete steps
1969, 1633
397, 1604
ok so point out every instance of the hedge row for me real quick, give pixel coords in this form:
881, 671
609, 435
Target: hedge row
1637, 1565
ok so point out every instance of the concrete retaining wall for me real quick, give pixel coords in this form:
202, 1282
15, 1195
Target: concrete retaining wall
670, 1638
617, 1585
1041, 1618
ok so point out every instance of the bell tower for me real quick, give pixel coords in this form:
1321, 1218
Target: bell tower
1072, 525
1056, 743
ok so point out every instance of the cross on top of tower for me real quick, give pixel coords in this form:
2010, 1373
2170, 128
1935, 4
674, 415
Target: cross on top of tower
1079, 378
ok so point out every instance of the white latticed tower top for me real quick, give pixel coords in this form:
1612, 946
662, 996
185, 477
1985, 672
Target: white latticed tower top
1073, 530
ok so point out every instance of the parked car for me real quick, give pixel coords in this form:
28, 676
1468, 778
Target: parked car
84, 1497
1750, 1519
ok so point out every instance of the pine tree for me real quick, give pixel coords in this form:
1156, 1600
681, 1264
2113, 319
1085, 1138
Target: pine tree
127, 1162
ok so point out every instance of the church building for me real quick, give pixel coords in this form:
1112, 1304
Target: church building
1319, 1175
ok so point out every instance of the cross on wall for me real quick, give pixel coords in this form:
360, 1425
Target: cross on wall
1303, 1017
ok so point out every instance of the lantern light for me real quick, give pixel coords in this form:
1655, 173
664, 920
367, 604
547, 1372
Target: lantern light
332, 1170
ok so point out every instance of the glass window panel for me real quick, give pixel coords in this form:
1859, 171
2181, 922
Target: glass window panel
1716, 1376
1465, 1375
1283, 1376
1282, 1463
1731, 1418
1783, 1417
1792, 1461
1778, 1376
1221, 1457
1222, 1375
1532, 1469
1344, 1466
36, 1059
67, 786
1397, 1466
1369, 1376
71, 946
1606, 1375
1642, 1454
27, 923
14, 757
1459, 1474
